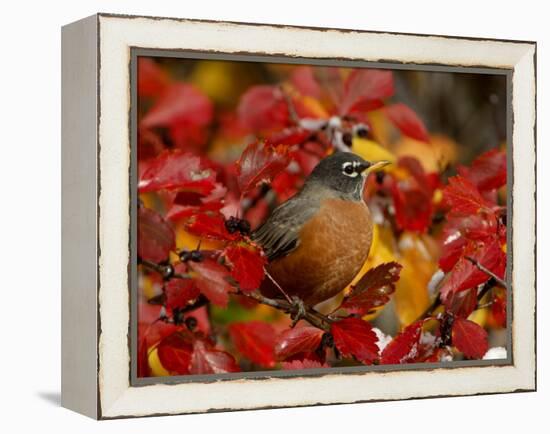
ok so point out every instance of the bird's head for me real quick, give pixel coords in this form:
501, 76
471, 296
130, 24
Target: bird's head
344, 173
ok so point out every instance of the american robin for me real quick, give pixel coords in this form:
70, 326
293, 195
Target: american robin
317, 241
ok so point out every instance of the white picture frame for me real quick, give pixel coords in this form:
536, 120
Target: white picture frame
96, 182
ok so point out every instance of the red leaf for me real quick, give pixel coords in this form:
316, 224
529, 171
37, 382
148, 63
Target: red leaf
286, 185
461, 303
407, 121
247, 267
260, 163
465, 275
263, 108
152, 331
177, 212
476, 227
412, 196
413, 208
257, 214
288, 137
303, 79
307, 157
498, 309
373, 289
212, 281
462, 196
187, 136
143, 368
304, 364
488, 171
152, 80
180, 102
155, 236
364, 88
207, 360
177, 170
452, 250
210, 225
297, 340
470, 338
188, 198
355, 337
422, 181
175, 352
403, 348
255, 341
179, 292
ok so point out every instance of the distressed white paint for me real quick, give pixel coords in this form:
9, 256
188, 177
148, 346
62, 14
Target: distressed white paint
117, 34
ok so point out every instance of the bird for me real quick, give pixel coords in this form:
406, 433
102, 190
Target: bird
317, 241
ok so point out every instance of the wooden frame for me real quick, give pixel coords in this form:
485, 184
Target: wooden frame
97, 180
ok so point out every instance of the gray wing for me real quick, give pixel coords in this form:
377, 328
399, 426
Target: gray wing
279, 234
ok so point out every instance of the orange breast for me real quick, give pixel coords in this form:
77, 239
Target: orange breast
333, 247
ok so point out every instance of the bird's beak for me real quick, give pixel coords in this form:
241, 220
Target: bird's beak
376, 166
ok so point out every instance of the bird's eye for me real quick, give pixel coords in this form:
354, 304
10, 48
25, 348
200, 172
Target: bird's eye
348, 170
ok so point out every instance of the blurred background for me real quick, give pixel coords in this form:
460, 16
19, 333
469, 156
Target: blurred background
469, 110
464, 115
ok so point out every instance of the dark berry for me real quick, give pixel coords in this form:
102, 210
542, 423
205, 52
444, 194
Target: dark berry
362, 131
185, 255
177, 316
347, 138
244, 227
191, 323
327, 340
196, 256
167, 271
380, 178
232, 224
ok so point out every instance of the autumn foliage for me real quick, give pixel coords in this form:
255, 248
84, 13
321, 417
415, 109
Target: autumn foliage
212, 167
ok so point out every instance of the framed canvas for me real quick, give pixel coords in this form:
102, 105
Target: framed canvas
260, 216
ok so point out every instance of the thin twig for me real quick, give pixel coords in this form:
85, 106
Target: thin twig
484, 305
486, 271
160, 269
282, 291
312, 316
291, 109
431, 308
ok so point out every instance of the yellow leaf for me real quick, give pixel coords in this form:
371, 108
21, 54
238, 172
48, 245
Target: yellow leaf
157, 370
381, 127
411, 296
435, 156
371, 151
480, 316
184, 240
380, 252
223, 81
314, 106
148, 287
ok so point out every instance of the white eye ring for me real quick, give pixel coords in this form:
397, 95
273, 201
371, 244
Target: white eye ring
345, 169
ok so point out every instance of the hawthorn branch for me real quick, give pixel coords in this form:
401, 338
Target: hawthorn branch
290, 105
481, 267
310, 315
484, 305
431, 308
163, 270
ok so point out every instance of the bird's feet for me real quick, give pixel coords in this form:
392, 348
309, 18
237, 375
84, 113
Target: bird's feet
298, 310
